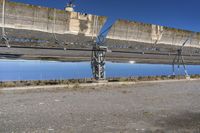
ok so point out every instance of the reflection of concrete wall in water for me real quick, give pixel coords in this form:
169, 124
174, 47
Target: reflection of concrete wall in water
36, 18
148, 33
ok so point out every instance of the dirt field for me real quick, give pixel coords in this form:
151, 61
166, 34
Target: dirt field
143, 108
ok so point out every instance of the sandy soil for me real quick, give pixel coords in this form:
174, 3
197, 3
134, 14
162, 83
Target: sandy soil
148, 107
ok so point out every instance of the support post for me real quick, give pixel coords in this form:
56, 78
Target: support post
178, 59
98, 62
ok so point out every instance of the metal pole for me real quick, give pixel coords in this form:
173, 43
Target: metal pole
185, 70
3, 18
4, 38
173, 66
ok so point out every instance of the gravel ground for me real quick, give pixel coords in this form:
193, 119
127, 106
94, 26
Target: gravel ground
148, 107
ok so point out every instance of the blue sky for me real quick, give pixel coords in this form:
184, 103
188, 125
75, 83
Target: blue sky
183, 14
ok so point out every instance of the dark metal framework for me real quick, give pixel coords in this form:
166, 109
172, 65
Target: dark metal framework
98, 62
179, 60
98, 56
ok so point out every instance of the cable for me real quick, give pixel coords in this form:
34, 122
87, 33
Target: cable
4, 37
54, 35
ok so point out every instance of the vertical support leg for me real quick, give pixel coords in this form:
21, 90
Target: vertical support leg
3, 18
98, 63
178, 62
185, 70
173, 66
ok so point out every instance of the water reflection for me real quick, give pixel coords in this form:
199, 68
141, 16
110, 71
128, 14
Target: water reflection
46, 70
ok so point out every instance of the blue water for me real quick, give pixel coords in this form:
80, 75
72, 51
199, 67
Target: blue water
46, 70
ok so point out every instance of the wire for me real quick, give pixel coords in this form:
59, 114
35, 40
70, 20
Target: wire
189, 38
54, 35
4, 37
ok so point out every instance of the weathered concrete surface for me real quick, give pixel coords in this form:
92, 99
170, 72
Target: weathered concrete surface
21, 17
34, 26
36, 18
150, 34
153, 107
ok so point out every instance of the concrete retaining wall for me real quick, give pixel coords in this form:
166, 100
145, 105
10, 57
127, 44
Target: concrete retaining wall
151, 34
29, 17
27, 24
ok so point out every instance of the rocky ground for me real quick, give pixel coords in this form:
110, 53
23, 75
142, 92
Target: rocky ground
143, 107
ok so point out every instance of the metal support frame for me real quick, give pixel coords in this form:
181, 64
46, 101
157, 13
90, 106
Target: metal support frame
179, 60
98, 55
98, 62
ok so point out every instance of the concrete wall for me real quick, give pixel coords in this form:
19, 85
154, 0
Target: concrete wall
29, 17
151, 34
35, 22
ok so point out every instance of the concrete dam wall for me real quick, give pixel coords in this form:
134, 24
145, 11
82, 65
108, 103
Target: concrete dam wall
32, 23
152, 34
25, 21
35, 26
29, 17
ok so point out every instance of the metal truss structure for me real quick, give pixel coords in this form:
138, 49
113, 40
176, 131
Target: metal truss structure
98, 62
179, 60
98, 56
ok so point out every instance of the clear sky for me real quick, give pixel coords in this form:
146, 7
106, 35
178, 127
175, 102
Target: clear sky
183, 14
